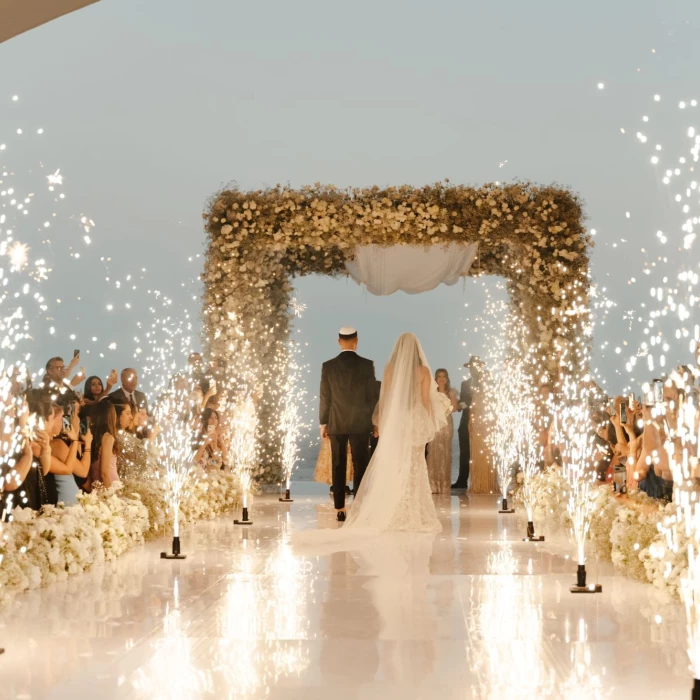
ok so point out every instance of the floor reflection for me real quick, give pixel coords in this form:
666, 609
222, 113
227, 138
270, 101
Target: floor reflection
472, 612
505, 623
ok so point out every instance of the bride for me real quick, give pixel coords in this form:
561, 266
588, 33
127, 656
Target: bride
395, 494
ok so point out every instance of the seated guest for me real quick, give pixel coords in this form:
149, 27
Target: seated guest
71, 455
128, 393
212, 451
106, 445
95, 389
133, 461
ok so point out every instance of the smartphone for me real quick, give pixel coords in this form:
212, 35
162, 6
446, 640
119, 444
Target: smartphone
66, 423
631, 399
623, 412
620, 478
649, 399
76, 353
658, 391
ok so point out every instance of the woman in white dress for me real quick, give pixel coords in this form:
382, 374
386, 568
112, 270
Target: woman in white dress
395, 492
394, 495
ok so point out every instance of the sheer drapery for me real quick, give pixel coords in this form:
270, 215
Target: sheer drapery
410, 268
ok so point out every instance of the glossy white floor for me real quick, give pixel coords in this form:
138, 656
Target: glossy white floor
474, 612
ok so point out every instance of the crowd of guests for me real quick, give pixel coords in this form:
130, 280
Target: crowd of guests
633, 433
58, 440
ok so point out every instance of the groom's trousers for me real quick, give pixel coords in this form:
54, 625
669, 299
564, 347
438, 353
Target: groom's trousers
359, 447
464, 455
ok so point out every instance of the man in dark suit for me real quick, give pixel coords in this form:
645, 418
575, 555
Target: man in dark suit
348, 396
465, 404
127, 392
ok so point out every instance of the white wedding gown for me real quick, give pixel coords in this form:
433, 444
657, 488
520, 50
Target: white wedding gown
395, 492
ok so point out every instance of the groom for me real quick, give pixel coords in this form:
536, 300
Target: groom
347, 399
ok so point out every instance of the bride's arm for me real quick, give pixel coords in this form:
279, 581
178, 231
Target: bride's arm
386, 385
425, 381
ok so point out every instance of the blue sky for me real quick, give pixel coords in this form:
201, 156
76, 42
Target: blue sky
148, 108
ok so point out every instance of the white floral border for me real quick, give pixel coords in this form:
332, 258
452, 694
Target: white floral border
625, 530
48, 546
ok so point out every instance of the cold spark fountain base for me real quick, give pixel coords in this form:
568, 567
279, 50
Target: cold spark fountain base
287, 497
504, 507
176, 551
531, 537
244, 520
581, 586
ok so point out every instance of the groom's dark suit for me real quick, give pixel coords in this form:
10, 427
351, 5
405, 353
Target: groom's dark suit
347, 399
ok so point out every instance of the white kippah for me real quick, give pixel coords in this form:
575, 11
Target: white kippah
347, 330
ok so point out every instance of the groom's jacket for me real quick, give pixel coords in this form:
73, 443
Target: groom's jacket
348, 394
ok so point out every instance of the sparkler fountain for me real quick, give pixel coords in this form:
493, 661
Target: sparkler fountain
507, 396
291, 423
244, 427
529, 452
177, 453
576, 434
682, 530
504, 438
22, 276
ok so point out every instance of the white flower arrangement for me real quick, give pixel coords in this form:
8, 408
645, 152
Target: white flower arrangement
625, 531
48, 546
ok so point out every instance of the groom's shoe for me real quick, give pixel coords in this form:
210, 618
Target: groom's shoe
341, 516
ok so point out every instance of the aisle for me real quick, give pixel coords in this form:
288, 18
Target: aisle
476, 613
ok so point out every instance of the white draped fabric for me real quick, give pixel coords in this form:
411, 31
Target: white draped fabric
410, 268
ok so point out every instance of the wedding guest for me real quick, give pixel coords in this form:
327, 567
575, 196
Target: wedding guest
634, 427
483, 477
95, 390
465, 403
604, 440
212, 450
323, 474
106, 444
134, 461
128, 393
652, 468
24, 473
56, 382
146, 430
198, 372
439, 457
71, 456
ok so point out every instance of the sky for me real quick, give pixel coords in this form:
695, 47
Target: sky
149, 108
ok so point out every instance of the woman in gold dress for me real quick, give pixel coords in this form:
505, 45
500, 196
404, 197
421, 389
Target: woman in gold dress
482, 475
324, 464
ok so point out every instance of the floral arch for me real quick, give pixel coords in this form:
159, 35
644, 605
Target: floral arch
258, 241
